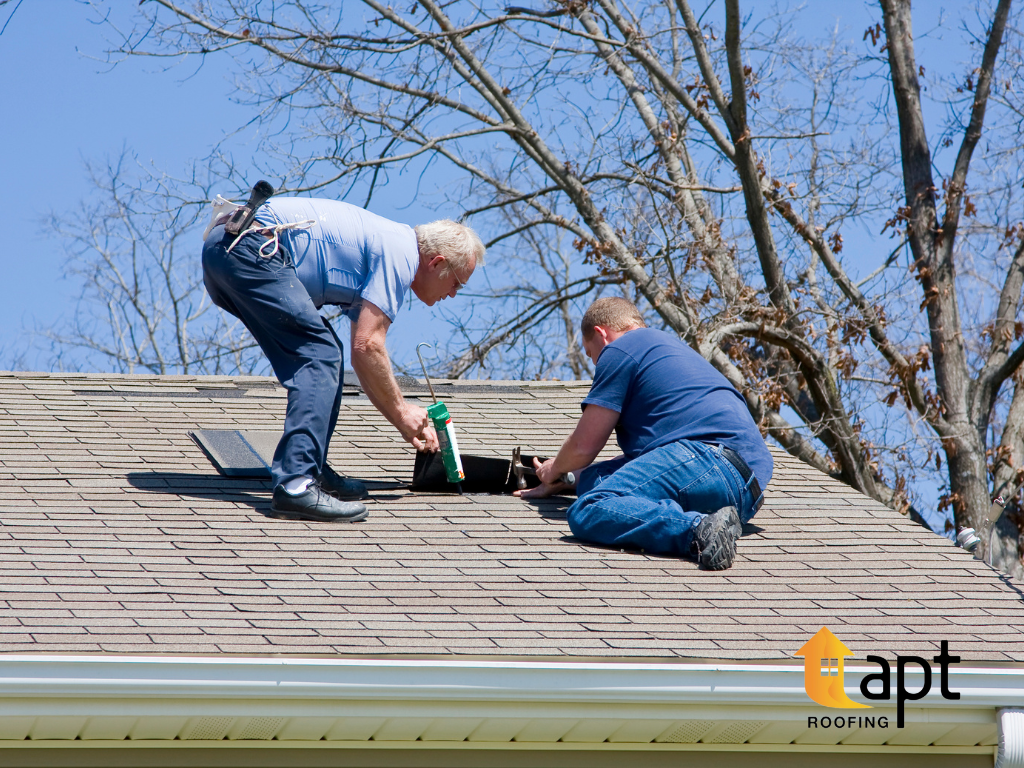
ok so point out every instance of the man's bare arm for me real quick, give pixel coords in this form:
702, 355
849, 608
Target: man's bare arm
579, 450
373, 367
586, 441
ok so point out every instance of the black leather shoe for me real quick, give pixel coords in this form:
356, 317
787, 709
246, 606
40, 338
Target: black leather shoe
314, 504
714, 540
344, 488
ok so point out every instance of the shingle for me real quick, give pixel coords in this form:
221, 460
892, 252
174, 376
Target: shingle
112, 519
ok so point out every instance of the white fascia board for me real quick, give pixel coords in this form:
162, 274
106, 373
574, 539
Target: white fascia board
430, 682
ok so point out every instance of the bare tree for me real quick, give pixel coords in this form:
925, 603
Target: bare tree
699, 160
143, 306
960, 409
531, 329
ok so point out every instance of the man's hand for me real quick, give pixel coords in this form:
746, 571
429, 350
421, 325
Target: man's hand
546, 471
415, 426
592, 432
550, 482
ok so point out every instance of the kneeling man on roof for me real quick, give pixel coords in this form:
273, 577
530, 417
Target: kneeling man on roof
303, 253
694, 463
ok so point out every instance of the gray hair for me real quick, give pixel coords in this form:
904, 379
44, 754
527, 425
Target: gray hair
457, 243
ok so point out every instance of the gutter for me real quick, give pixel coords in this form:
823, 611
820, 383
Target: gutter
194, 691
430, 680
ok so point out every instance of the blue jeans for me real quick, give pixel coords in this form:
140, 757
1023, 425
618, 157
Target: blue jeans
303, 349
655, 501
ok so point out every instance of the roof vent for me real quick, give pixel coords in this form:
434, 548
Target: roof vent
263, 728
688, 732
207, 728
737, 733
238, 453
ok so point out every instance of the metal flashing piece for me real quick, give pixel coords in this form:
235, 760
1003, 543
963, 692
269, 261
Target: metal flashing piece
238, 453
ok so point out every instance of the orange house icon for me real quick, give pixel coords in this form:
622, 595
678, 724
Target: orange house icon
823, 671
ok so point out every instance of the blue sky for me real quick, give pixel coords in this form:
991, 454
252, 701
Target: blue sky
64, 106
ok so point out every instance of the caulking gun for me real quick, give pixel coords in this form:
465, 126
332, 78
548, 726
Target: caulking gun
438, 413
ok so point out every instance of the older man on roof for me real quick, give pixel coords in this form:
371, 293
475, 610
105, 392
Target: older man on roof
693, 462
302, 254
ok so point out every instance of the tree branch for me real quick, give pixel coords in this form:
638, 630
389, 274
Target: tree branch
957, 182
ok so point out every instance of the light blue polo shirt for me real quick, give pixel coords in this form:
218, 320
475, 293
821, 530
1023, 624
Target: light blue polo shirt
349, 255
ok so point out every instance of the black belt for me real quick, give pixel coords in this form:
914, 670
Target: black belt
746, 473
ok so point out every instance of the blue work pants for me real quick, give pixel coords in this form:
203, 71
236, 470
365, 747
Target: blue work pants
655, 501
303, 349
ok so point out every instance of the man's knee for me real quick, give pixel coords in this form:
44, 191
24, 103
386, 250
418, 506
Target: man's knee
748, 511
321, 369
578, 517
586, 516
337, 353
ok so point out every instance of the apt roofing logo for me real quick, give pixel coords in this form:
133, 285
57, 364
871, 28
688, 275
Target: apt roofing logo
823, 671
824, 657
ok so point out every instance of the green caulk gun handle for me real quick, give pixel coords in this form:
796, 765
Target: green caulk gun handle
449, 445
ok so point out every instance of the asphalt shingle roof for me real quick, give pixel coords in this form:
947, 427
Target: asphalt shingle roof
117, 535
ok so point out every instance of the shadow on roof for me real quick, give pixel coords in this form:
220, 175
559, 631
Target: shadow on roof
1010, 583
243, 490
212, 487
553, 508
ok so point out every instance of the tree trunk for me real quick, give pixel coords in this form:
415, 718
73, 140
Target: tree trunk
966, 402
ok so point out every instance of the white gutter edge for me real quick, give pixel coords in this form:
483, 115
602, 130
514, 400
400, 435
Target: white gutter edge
594, 683
1011, 739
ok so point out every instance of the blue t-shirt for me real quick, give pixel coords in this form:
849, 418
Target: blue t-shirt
663, 391
349, 255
